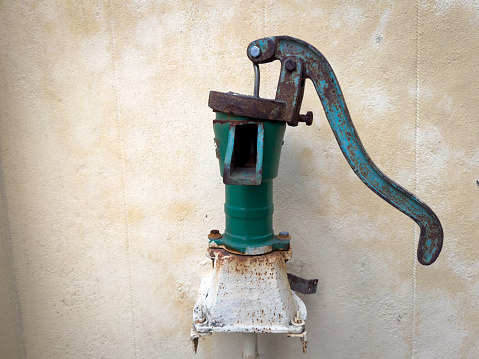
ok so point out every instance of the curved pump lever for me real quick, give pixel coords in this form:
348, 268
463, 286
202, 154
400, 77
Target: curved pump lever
300, 60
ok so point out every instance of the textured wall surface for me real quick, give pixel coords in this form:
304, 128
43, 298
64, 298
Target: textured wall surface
110, 181
11, 336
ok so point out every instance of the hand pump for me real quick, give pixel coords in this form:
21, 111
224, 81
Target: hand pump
249, 290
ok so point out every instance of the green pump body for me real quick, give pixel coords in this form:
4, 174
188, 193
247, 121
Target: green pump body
248, 151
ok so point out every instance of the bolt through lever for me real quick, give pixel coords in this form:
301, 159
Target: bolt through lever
300, 60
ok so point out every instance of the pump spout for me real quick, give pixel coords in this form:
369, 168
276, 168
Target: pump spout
243, 164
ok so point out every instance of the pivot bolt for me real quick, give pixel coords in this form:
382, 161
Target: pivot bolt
255, 51
290, 65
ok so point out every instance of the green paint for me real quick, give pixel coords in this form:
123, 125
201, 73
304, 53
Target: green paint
249, 203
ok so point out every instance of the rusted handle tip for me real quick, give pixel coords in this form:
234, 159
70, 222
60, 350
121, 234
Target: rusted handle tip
430, 245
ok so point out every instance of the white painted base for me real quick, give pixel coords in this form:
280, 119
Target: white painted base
248, 294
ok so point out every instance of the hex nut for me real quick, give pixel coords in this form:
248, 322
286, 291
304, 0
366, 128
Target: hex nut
255, 51
215, 234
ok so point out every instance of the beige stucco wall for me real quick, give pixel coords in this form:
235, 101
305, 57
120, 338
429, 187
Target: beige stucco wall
111, 183
11, 336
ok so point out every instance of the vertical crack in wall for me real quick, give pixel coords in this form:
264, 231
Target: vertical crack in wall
18, 317
416, 145
123, 171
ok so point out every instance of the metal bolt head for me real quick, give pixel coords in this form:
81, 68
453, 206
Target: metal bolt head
201, 317
290, 65
284, 236
308, 118
214, 233
255, 51
297, 320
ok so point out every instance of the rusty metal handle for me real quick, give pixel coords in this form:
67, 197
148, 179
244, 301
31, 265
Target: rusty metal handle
300, 60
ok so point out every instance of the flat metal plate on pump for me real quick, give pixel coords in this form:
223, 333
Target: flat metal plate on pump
247, 106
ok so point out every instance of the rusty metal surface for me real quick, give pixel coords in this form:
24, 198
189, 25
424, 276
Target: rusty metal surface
310, 63
215, 234
304, 340
248, 294
247, 106
195, 336
301, 285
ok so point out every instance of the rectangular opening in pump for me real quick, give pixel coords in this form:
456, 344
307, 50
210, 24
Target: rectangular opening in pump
244, 157
245, 150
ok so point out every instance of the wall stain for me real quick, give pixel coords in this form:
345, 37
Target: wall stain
135, 215
180, 210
